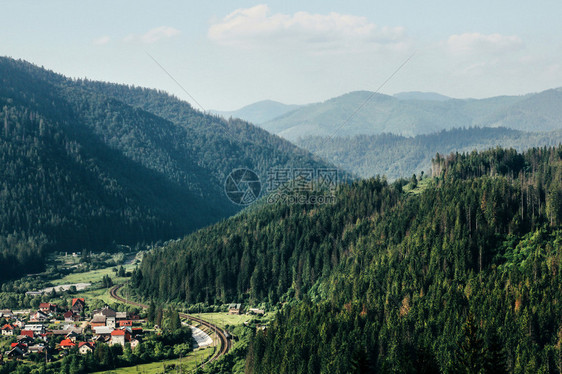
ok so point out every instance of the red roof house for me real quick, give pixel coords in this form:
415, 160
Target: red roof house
28, 333
67, 343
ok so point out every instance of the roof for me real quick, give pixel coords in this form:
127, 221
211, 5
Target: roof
79, 299
67, 343
27, 333
87, 344
118, 333
98, 318
234, 306
102, 330
7, 327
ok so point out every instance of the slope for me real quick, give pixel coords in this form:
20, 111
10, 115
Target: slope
85, 166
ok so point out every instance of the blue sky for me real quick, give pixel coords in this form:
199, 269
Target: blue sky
229, 54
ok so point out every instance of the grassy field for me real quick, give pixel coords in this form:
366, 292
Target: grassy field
93, 276
223, 318
188, 364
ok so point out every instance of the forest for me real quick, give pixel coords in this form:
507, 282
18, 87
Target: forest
457, 272
87, 165
397, 156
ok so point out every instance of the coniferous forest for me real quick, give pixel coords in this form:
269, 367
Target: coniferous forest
454, 272
86, 165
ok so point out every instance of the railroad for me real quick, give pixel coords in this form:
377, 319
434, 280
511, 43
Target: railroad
222, 335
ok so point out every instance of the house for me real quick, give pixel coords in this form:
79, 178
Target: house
6, 313
85, 347
8, 329
257, 311
39, 317
48, 308
37, 348
102, 330
234, 308
125, 323
15, 352
105, 311
70, 316
120, 337
24, 339
67, 344
36, 328
78, 305
136, 331
134, 343
98, 320
19, 345
120, 315
110, 322
19, 323
73, 335
28, 333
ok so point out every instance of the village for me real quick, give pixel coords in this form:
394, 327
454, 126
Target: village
53, 333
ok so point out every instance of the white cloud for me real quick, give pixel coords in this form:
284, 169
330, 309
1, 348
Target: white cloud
477, 43
257, 27
153, 35
102, 40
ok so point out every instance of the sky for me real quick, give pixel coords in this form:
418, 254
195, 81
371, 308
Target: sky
222, 55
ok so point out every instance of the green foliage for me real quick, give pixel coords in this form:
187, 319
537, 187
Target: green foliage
385, 280
86, 165
398, 156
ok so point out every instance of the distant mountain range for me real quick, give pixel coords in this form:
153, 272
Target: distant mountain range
260, 112
397, 156
413, 113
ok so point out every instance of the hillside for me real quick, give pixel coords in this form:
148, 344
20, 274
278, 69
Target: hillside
456, 273
88, 164
259, 112
368, 113
396, 156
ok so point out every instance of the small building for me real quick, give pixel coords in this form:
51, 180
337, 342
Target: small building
70, 316
85, 347
78, 305
19, 323
125, 323
120, 337
260, 312
36, 328
234, 308
102, 330
98, 321
48, 308
37, 348
105, 311
8, 330
39, 316
15, 352
67, 344
110, 322
6, 313
72, 335
120, 315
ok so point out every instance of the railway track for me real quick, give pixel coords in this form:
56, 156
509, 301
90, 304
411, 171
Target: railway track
221, 334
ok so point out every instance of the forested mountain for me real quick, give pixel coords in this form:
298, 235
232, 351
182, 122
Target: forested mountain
86, 164
396, 156
259, 112
417, 95
455, 273
369, 113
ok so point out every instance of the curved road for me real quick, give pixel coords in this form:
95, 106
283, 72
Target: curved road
225, 342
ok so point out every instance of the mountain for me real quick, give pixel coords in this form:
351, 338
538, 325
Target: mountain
369, 113
396, 156
457, 272
259, 112
417, 95
88, 164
